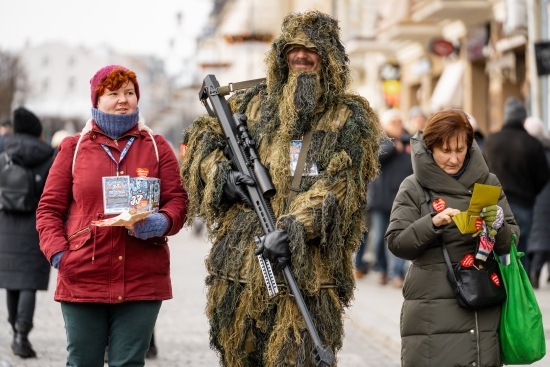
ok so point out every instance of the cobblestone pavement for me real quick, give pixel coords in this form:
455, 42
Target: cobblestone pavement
182, 329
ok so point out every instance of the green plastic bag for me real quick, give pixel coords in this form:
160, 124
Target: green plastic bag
521, 330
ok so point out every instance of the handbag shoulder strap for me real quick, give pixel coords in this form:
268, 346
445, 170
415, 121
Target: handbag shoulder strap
440, 238
295, 185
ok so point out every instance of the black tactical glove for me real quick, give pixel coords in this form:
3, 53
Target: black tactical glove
275, 248
234, 189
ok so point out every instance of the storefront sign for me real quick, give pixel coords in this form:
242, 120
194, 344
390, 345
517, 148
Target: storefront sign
441, 47
391, 86
542, 55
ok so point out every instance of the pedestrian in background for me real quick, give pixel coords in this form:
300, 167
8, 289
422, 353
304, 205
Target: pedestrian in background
416, 121
435, 330
361, 265
111, 281
57, 138
395, 165
6, 128
519, 162
478, 135
23, 267
538, 247
317, 231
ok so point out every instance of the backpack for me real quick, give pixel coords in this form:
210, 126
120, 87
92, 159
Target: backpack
17, 186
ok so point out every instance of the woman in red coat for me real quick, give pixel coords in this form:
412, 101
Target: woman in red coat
111, 280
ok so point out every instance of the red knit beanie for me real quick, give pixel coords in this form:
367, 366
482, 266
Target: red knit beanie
101, 75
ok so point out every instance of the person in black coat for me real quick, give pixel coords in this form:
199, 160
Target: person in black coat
23, 267
538, 248
395, 165
519, 162
6, 128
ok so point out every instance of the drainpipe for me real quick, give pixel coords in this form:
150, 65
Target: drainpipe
544, 79
533, 35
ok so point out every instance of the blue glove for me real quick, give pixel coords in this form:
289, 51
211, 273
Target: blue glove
153, 226
56, 258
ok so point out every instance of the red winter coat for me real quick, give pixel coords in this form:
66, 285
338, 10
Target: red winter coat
106, 264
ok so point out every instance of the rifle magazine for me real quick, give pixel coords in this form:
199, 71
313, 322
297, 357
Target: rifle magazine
269, 278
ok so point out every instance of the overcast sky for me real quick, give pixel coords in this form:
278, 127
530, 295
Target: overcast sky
130, 26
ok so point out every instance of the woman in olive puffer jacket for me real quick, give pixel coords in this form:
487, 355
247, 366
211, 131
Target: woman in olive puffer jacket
435, 331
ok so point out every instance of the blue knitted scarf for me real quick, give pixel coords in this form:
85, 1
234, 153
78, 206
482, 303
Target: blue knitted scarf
115, 125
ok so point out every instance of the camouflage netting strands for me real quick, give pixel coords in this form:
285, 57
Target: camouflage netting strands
310, 29
324, 221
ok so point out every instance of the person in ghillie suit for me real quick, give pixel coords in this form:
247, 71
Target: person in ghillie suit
317, 231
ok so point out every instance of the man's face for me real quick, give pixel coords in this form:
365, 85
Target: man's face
5, 130
394, 127
301, 58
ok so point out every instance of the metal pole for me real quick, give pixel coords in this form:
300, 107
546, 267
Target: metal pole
544, 80
533, 34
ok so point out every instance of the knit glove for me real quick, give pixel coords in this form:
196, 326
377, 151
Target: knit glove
234, 189
154, 225
494, 217
275, 248
486, 243
56, 258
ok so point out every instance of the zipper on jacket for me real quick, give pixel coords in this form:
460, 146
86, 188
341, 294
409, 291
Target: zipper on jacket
93, 248
77, 233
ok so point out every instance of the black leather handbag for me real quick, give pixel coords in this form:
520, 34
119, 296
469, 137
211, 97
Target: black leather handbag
476, 285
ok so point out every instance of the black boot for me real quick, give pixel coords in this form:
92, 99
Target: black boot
534, 278
21, 345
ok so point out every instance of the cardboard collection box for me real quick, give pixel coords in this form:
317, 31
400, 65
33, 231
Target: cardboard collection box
144, 194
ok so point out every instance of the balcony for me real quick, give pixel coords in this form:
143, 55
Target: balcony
421, 32
357, 46
470, 12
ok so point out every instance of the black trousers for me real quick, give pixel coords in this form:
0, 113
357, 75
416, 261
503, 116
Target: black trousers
21, 304
536, 262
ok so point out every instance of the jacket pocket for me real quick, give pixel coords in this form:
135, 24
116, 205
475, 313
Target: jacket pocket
79, 238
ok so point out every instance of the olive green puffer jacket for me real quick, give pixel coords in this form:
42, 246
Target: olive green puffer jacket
435, 331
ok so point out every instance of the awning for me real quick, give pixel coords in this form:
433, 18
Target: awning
448, 91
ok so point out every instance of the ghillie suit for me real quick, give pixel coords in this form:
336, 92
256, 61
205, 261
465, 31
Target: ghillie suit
324, 221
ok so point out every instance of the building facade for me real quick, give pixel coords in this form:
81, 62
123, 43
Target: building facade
469, 54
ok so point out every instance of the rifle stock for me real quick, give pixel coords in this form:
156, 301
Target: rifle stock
245, 159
